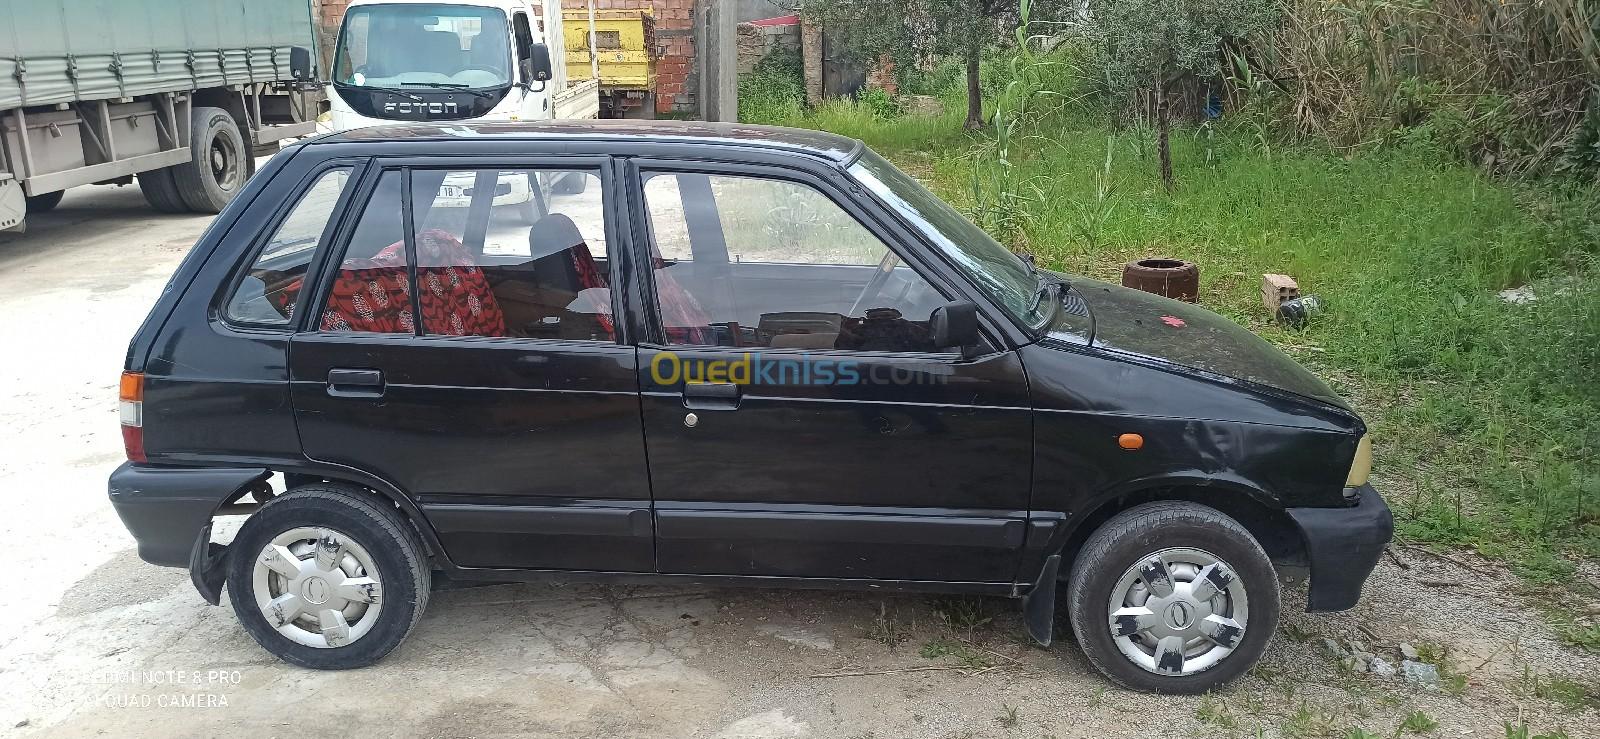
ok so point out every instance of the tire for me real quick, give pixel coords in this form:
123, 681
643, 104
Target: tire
161, 192
47, 201
373, 535
1186, 534
219, 162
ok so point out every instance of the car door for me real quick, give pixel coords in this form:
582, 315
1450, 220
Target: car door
463, 351
798, 419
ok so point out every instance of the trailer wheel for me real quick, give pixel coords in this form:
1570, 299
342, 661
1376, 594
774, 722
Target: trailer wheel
47, 201
219, 163
161, 192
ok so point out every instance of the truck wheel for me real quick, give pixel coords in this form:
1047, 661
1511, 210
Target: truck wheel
324, 576
219, 162
161, 192
47, 201
1172, 597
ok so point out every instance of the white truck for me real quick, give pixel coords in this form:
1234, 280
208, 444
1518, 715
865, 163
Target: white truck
426, 60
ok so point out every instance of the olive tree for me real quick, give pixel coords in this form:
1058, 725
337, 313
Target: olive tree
1150, 45
907, 29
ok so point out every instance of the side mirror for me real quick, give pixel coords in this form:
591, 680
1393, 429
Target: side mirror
300, 67
536, 68
956, 324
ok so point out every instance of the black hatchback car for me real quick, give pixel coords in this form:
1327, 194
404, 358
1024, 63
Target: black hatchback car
714, 353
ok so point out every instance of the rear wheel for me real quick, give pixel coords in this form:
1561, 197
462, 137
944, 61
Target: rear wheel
161, 192
327, 577
219, 163
1172, 598
47, 201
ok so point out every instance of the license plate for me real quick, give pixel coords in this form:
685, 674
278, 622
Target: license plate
451, 191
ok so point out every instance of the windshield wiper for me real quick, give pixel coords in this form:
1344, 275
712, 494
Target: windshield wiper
391, 90
453, 86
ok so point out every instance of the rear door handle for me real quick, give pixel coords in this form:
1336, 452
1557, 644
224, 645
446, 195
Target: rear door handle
710, 396
355, 383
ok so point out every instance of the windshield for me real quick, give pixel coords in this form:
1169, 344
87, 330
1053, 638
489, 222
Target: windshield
988, 264
422, 46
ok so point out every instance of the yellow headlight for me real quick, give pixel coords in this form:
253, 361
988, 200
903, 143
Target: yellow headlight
1362, 466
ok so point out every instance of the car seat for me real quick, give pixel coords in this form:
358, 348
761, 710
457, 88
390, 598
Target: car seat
373, 294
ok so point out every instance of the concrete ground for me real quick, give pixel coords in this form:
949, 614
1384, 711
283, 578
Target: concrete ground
94, 642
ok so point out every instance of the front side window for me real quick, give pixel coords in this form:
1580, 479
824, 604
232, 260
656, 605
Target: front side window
269, 291
501, 253
756, 262
415, 45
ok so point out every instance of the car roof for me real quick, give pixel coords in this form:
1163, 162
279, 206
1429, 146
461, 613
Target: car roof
814, 143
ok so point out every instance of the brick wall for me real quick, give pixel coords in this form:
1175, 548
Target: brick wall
881, 76
329, 14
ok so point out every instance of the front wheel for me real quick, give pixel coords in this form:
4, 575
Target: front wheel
1172, 597
327, 577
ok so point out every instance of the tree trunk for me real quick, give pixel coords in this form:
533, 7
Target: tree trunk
974, 89
1163, 132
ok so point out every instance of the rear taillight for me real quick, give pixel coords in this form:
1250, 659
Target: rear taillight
130, 396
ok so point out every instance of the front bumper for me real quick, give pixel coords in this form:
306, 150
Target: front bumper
1343, 545
167, 508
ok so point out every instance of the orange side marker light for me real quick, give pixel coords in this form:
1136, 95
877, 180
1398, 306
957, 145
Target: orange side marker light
1130, 442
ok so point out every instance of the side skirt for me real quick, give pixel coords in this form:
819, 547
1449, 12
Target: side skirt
491, 576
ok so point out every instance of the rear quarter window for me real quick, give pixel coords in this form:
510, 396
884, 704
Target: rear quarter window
268, 293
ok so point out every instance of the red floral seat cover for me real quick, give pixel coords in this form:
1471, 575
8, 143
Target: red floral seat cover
455, 297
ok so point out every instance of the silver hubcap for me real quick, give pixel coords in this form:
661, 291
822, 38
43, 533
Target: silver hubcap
1178, 612
318, 587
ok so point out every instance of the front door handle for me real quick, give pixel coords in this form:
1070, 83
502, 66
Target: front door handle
355, 383
710, 396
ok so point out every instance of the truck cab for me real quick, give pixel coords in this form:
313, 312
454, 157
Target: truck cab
416, 60
431, 61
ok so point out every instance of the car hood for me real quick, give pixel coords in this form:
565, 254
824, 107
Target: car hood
1147, 326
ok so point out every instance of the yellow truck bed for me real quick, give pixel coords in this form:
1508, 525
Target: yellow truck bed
623, 38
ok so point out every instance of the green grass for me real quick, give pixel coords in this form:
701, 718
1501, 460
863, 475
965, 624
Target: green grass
1486, 415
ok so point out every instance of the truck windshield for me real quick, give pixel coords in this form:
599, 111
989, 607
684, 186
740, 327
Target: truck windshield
991, 266
460, 46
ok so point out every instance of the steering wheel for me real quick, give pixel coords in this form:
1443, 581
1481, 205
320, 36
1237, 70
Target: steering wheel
875, 285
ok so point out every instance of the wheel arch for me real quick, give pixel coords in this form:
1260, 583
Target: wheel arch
379, 488
1258, 511
207, 561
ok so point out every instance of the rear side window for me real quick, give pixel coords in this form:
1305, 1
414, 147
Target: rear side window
498, 253
268, 292
371, 290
